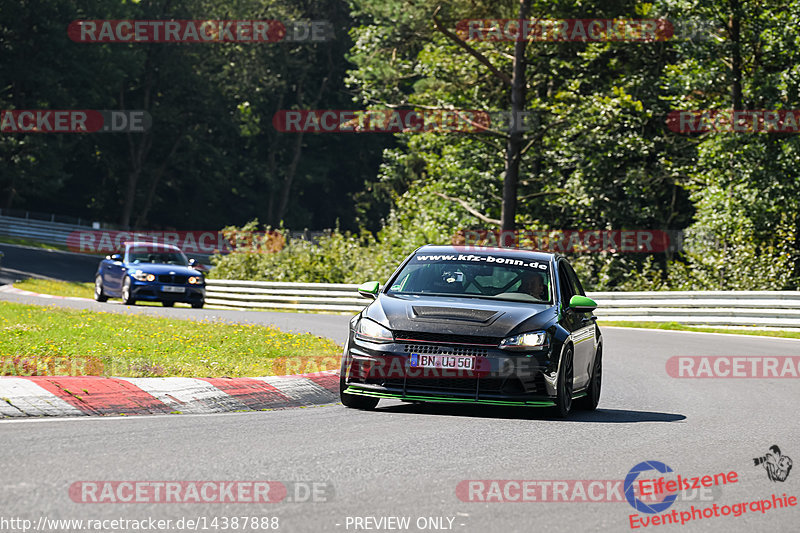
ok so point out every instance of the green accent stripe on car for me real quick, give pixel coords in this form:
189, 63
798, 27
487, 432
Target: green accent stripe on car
362, 392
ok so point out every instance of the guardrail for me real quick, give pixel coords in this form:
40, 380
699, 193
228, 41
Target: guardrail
779, 309
342, 297
38, 230
50, 231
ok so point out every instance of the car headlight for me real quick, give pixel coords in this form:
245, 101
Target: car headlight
525, 341
196, 280
371, 331
143, 276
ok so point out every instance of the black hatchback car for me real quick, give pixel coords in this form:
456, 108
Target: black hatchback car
475, 325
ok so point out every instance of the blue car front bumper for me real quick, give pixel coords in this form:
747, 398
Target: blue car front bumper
154, 291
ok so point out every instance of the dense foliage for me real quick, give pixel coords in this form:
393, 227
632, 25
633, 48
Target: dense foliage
599, 154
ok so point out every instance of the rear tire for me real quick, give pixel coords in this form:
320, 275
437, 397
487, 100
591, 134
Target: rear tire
99, 294
168, 304
198, 305
592, 398
127, 296
564, 385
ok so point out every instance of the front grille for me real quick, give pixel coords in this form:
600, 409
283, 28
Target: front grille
445, 350
442, 384
168, 278
462, 385
446, 338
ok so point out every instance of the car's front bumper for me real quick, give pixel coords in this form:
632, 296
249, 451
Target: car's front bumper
503, 378
154, 292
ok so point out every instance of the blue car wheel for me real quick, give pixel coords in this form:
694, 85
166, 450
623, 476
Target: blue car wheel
127, 296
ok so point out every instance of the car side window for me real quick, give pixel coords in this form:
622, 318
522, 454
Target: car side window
574, 282
564, 284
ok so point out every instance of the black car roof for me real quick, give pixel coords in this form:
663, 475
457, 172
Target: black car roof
438, 249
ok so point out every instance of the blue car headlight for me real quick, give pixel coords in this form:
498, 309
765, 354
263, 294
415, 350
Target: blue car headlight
525, 341
141, 275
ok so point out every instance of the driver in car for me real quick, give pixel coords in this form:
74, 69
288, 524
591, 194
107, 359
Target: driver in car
533, 284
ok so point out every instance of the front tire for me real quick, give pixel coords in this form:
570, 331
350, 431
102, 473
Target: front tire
592, 398
197, 305
168, 304
354, 401
127, 295
564, 385
99, 294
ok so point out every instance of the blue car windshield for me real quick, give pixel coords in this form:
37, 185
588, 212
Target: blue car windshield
139, 256
477, 276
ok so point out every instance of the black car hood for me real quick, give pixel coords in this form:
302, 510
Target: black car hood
459, 316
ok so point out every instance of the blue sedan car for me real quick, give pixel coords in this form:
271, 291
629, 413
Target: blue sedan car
150, 272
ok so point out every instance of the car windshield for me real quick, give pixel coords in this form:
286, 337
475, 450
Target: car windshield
150, 255
502, 277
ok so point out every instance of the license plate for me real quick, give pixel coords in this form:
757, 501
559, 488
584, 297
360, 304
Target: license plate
442, 361
170, 288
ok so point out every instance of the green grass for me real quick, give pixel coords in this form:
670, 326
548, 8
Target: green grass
34, 244
86, 290
706, 329
57, 288
51, 341
68, 288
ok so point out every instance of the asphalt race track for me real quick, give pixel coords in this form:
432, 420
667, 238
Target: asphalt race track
21, 262
406, 460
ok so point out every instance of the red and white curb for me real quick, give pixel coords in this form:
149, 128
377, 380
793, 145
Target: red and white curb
38, 396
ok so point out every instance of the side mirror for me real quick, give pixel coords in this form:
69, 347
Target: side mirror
116, 257
369, 289
192, 262
582, 304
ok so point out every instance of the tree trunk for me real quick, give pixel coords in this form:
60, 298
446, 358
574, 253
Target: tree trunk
283, 204
515, 140
142, 217
736, 55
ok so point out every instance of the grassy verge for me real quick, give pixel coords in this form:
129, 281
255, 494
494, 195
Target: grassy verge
706, 329
34, 244
86, 290
68, 288
51, 341
56, 288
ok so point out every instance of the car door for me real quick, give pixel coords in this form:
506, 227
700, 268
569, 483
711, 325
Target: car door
584, 335
569, 320
114, 272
